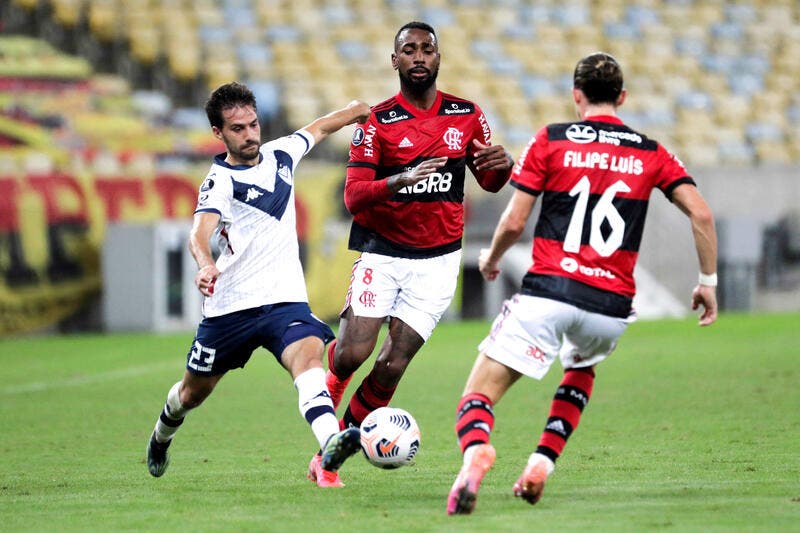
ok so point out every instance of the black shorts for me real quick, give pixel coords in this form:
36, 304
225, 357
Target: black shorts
226, 342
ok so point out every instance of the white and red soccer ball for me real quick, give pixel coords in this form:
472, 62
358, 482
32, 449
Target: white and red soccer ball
390, 437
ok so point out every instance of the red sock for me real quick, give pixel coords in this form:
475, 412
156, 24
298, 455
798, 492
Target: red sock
336, 385
571, 397
474, 420
369, 396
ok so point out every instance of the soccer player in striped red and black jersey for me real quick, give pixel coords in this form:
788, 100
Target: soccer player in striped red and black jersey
595, 177
405, 190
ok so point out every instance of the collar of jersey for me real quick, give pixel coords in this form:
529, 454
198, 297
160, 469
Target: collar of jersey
434, 109
219, 159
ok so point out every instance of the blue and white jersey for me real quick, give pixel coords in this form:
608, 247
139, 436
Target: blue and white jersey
259, 260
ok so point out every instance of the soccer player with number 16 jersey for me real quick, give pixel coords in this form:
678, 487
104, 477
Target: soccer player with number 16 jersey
594, 177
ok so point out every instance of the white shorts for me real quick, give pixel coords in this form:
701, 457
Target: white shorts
417, 291
530, 332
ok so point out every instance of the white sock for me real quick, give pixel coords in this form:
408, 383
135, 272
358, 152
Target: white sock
315, 404
171, 416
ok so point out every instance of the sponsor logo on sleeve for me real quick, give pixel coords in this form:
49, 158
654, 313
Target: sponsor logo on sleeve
487, 133
358, 136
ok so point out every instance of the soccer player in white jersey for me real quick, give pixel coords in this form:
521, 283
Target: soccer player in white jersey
255, 292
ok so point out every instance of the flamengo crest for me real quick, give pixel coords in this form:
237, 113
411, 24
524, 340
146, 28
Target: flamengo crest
453, 138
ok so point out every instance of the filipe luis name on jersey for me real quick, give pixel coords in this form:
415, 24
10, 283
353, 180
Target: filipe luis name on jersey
601, 160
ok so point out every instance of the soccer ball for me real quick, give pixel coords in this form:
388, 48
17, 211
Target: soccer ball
390, 437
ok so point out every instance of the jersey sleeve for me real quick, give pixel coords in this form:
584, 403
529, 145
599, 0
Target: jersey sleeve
489, 180
361, 189
672, 172
482, 132
215, 196
530, 172
297, 145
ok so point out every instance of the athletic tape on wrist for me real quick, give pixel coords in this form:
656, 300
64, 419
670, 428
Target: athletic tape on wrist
709, 280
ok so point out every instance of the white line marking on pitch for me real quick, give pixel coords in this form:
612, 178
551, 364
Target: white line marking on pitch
79, 381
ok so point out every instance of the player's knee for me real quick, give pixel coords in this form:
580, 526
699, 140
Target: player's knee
348, 356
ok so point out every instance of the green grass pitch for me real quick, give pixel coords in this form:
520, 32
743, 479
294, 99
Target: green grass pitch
688, 429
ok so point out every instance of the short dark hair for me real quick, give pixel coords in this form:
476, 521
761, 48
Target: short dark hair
414, 25
599, 76
227, 96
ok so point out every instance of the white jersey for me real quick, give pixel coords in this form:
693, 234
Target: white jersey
259, 260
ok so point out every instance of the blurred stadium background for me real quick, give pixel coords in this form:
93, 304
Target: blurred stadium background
103, 140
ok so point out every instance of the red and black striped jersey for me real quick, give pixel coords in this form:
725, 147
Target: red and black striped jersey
427, 219
595, 178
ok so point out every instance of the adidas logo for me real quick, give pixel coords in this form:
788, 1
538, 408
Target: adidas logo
556, 426
253, 193
405, 143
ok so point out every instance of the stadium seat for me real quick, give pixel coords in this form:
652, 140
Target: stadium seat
733, 60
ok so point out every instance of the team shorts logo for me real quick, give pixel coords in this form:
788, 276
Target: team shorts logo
453, 137
358, 136
536, 353
581, 133
367, 299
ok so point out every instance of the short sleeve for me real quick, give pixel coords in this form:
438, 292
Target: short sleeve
530, 171
365, 149
297, 145
215, 196
672, 172
482, 132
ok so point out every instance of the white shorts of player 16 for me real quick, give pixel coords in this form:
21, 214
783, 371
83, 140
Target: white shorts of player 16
530, 332
390, 437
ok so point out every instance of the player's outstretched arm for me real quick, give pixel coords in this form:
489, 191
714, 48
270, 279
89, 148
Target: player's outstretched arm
509, 228
689, 200
355, 111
